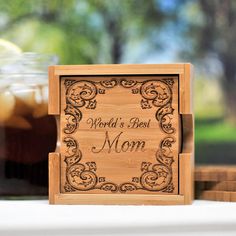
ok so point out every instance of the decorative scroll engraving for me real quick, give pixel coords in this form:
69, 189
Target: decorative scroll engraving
127, 187
128, 83
79, 94
80, 176
157, 93
157, 176
109, 187
109, 83
154, 176
73, 117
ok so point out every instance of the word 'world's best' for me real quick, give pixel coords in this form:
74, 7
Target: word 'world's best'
133, 123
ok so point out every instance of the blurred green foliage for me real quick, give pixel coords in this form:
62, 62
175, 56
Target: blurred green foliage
80, 31
128, 31
207, 99
213, 131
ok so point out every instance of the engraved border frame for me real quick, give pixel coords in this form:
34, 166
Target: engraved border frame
86, 92
186, 157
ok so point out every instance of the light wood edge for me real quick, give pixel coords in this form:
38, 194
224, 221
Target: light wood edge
186, 89
119, 69
225, 196
56, 197
186, 108
186, 177
186, 157
119, 199
54, 176
54, 92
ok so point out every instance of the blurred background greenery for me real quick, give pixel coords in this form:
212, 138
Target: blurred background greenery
139, 31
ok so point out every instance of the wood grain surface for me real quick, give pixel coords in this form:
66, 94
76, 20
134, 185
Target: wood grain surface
216, 183
225, 196
215, 173
121, 133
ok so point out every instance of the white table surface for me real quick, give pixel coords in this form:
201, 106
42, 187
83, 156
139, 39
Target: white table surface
36, 218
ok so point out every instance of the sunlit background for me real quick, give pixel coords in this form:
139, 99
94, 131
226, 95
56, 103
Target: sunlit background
140, 31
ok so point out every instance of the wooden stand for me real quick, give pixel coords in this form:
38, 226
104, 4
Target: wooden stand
160, 91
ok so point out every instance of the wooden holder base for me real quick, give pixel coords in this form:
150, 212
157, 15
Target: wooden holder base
185, 196
141, 151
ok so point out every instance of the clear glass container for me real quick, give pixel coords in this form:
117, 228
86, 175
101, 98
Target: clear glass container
27, 133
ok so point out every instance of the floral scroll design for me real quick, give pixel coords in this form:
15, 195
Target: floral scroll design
155, 93
154, 176
80, 176
157, 176
79, 94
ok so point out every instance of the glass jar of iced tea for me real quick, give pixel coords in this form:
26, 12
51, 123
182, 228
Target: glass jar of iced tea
27, 133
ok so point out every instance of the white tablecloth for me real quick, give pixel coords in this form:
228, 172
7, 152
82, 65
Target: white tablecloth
34, 218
